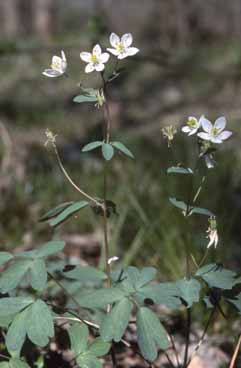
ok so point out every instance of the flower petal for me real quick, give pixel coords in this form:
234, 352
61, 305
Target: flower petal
51, 73
132, 51
123, 54
127, 39
204, 136
220, 123
193, 131
104, 57
114, 39
56, 60
96, 50
216, 140
225, 135
206, 124
99, 67
186, 129
89, 68
63, 55
85, 56
114, 51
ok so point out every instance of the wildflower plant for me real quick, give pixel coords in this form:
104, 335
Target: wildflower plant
101, 304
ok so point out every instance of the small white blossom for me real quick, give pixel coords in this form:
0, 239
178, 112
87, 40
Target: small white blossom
58, 66
212, 233
192, 126
214, 133
121, 46
112, 259
95, 60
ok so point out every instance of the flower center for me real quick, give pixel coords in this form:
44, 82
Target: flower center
120, 47
215, 131
192, 123
94, 59
56, 65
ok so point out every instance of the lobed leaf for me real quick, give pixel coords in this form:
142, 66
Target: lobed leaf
217, 277
165, 293
189, 290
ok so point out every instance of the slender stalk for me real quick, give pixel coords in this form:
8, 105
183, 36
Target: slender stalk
235, 354
187, 338
174, 349
87, 196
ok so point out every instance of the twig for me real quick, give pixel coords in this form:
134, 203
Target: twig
187, 338
235, 354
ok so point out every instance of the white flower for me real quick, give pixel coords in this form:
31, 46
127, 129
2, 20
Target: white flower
58, 66
192, 126
95, 60
112, 259
212, 233
121, 46
214, 133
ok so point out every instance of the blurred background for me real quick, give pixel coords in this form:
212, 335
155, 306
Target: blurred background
189, 64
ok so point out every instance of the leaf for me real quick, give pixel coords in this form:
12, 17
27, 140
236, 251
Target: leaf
4, 365
17, 363
12, 276
122, 148
55, 211
151, 335
39, 324
78, 334
200, 211
17, 333
5, 257
85, 98
179, 170
133, 278
50, 248
236, 302
218, 277
6, 320
91, 146
107, 151
100, 298
178, 204
85, 274
165, 293
88, 360
98, 347
189, 290
12, 305
38, 275
69, 211
147, 274
115, 323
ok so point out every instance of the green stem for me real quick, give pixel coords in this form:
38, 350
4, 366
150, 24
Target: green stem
187, 338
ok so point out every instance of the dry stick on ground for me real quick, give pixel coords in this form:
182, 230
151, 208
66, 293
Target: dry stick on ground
235, 354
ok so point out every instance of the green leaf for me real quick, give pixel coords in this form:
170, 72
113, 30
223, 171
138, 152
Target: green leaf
107, 151
50, 248
12, 305
88, 360
38, 274
18, 363
12, 276
39, 324
78, 334
98, 347
165, 293
179, 170
91, 146
6, 320
4, 365
133, 279
216, 276
115, 323
5, 257
151, 335
200, 211
55, 211
147, 274
100, 298
17, 333
69, 211
236, 302
122, 148
86, 274
189, 290
85, 98
178, 204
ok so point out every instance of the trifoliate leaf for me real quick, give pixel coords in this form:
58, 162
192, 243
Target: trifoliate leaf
115, 323
107, 151
39, 324
189, 290
69, 211
217, 277
86, 274
122, 148
151, 335
78, 334
91, 146
165, 293
100, 298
